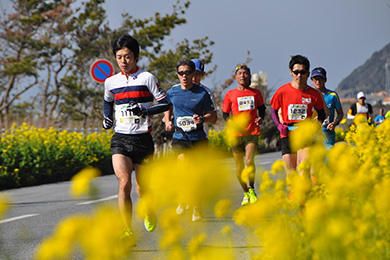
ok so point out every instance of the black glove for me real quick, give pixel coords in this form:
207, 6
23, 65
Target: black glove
137, 109
107, 122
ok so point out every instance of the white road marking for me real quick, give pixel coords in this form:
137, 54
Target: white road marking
97, 201
262, 163
17, 218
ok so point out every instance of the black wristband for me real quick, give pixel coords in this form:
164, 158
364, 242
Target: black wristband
202, 117
336, 122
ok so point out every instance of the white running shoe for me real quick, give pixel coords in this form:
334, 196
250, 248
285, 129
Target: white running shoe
196, 215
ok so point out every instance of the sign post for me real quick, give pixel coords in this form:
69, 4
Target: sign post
101, 70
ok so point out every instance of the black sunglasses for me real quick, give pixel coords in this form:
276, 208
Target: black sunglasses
296, 72
186, 72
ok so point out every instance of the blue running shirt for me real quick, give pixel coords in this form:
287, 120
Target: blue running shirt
332, 100
186, 103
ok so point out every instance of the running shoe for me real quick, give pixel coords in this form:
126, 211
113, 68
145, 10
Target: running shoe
128, 237
252, 195
150, 222
181, 208
245, 200
196, 215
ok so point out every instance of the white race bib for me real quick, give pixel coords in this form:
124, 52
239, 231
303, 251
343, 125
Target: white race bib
297, 111
127, 117
246, 103
186, 123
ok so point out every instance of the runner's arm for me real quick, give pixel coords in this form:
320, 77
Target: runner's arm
283, 129
261, 110
163, 105
321, 115
261, 113
208, 117
225, 116
336, 122
108, 108
168, 118
275, 117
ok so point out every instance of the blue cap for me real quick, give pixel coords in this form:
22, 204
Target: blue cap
199, 66
319, 72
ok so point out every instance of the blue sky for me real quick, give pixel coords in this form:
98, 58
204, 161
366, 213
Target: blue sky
338, 35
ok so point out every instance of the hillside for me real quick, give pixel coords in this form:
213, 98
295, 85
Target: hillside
369, 77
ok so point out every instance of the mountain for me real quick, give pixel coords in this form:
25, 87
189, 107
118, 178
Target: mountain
369, 77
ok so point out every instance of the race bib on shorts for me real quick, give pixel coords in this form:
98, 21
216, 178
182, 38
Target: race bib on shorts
186, 123
127, 117
246, 103
297, 111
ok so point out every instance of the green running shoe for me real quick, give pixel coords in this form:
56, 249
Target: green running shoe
128, 237
150, 222
252, 195
245, 200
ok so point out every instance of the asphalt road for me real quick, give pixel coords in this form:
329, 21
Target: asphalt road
35, 211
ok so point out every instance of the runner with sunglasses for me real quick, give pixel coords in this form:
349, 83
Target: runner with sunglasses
295, 100
192, 106
248, 101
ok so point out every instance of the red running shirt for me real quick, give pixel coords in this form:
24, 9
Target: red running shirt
244, 101
296, 104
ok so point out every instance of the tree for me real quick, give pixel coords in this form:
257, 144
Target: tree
61, 44
40, 38
150, 33
21, 45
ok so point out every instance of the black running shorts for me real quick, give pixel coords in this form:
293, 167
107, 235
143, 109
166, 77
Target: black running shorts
179, 145
243, 141
137, 147
285, 145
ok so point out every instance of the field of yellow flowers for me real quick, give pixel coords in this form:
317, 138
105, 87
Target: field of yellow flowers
31, 156
345, 214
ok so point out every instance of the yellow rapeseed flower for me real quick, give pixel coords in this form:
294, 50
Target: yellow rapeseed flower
307, 133
81, 182
222, 208
234, 127
4, 204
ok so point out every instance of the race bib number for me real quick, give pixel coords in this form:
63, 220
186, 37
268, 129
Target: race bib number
297, 111
186, 123
246, 103
127, 117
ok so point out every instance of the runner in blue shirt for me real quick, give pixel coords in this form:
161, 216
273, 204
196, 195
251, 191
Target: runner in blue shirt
380, 118
192, 106
332, 100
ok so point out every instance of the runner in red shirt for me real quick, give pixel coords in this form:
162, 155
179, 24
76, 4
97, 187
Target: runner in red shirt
295, 100
249, 101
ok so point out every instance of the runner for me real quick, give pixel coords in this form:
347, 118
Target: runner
380, 118
198, 75
296, 101
248, 101
332, 101
192, 106
360, 107
131, 92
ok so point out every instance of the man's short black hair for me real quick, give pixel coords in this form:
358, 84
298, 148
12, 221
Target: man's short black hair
125, 40
299, 59
184, 62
